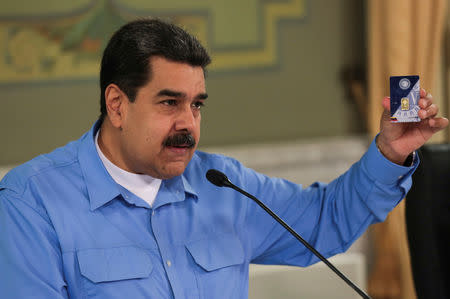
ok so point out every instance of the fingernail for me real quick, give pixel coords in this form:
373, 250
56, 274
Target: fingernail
429, 96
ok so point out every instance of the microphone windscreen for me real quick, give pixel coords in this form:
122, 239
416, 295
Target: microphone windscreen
217, 178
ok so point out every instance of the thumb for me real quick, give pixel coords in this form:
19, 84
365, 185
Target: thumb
387, 103
385, 120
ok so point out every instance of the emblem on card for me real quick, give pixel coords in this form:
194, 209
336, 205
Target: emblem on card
405, 104
404, 83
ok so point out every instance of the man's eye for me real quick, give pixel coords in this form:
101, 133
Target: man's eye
169, 102
198, 105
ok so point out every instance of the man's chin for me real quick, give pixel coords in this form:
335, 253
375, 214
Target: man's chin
172, 170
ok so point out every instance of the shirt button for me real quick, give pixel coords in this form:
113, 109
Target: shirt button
153, 213
169, 263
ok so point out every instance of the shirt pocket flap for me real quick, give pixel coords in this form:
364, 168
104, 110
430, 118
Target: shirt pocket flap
111, 264
218, 252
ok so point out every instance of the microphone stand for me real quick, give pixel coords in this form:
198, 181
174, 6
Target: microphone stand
223, 181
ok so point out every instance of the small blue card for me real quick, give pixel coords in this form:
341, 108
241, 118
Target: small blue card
405, 95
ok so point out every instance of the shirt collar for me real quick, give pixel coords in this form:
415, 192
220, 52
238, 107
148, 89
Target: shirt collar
187, 187
102, 188
173, 190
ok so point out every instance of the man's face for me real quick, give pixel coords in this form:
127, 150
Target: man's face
156, 127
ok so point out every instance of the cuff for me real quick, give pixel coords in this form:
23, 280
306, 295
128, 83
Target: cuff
382, 170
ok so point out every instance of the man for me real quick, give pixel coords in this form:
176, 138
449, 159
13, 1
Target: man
126, 211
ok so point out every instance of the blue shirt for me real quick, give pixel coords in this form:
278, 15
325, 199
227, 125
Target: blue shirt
67, 230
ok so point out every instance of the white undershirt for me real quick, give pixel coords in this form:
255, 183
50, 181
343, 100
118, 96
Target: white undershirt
144, 186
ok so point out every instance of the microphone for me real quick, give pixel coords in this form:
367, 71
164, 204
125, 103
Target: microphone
221, 180
218, 178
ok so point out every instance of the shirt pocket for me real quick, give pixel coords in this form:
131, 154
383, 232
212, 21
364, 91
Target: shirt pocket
220, 266
113, 272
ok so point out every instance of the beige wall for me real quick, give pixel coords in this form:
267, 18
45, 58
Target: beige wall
299, 98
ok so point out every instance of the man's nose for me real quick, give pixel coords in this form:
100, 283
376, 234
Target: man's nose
186, 119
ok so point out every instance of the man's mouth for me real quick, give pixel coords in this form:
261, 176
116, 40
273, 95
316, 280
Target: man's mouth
182, 146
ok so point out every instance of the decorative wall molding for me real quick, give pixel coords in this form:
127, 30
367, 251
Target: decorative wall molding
51, 40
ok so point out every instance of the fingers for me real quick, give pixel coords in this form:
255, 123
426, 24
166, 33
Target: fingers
426, 100
428, 109
423, 93
438, 123
429, 112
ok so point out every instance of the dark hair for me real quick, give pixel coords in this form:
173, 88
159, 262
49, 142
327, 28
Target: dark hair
126, 58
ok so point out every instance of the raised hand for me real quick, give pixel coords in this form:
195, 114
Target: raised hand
397, 140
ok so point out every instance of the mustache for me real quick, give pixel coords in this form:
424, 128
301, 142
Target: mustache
185, 140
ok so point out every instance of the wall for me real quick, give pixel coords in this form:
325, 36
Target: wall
299, 96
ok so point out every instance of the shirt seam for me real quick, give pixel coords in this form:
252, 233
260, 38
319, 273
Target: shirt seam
28, 205
40, 172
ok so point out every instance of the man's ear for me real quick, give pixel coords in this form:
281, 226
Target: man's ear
116, 104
